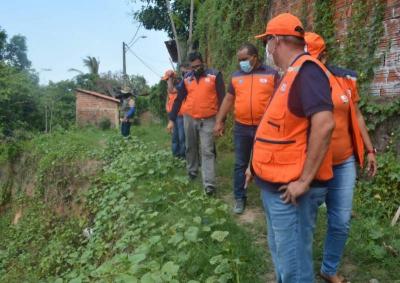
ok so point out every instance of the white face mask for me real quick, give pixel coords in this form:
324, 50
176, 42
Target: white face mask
269, 59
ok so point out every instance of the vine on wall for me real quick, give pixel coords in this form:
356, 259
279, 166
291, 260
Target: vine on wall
324, 25
364, 32
222, 26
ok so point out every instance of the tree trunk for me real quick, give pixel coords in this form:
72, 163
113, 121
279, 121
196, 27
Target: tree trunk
190, 42
51, 118
45, 115
178, 48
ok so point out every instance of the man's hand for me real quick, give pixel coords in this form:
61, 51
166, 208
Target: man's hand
249, 178
219, 129
372, 165
170, 126
293, 190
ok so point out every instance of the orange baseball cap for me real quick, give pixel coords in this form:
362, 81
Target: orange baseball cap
283, 24
315, 44
167, 75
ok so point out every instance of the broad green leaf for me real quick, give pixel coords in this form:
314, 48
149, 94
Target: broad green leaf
170, 268
126, 278
216, 259
136, 258
197, 220
191, 234
219, 235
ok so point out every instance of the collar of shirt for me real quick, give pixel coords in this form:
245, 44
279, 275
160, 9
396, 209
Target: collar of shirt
298, 56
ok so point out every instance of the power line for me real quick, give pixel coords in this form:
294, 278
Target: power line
134, 36
144, 63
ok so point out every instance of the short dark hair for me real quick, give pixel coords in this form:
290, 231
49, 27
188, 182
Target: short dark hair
195, 56
184, 65
251, 48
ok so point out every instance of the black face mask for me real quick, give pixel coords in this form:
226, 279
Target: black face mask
198, 72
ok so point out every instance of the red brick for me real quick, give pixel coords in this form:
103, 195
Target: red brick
92, 109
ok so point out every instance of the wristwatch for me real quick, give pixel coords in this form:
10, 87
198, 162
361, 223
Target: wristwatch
373, 150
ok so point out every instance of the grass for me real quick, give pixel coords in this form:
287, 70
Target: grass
143, 201
358, 264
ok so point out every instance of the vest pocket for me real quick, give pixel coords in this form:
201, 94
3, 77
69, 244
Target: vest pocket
277, 166
287, 157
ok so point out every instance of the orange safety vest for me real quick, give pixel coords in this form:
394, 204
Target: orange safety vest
170, 102
280, 145
202, 99
348, 87
252, 94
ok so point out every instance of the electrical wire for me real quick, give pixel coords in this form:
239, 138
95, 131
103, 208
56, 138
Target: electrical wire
134, 36
144, 63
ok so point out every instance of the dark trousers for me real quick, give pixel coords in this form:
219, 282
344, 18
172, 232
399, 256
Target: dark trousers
125, 128
243, 137
178, 138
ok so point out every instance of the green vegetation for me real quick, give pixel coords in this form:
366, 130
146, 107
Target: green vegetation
150, 224
147, 227
83, 205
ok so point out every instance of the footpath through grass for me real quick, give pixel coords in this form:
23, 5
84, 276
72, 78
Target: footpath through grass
373, 248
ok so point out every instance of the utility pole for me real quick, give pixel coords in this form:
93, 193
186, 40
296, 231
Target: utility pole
124, 64
125, 48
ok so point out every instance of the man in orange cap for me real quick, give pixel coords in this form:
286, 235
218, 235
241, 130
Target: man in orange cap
178, 133
289, 160
200, 95
348, 141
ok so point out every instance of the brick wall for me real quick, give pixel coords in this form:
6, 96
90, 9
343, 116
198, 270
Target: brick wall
387, 75
91, 110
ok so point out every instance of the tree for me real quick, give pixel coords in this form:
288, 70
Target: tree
19, 88
159, 15
58, 102
14, 52
19, 93
92, 64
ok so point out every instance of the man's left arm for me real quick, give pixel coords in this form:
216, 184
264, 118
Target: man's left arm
220, 88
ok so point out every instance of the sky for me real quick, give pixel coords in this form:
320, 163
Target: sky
61, 33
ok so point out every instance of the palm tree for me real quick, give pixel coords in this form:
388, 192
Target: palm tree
92, 64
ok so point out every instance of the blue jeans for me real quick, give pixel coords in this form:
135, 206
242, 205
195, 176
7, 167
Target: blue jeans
339, 202
125, 129
291, 231
178, 138
243, 137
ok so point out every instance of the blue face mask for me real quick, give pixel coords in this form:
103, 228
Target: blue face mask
245, 66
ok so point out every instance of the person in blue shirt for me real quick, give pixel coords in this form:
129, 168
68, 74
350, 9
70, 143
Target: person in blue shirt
127, 110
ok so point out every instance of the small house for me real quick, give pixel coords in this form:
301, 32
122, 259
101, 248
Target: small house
93, 107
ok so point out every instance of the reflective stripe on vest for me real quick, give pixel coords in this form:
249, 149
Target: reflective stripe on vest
252, 94
202, 99
280, 145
